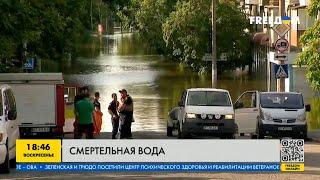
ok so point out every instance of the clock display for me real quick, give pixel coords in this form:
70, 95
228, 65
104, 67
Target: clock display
38, 147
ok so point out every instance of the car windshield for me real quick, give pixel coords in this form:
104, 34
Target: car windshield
280, 100
208, 98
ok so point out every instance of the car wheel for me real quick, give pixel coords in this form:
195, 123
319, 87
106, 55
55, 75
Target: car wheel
303, 136
179, 131
260, 134
227, 136
253, 136
5, 167
230, 136
169, 131
183, 135
13, 163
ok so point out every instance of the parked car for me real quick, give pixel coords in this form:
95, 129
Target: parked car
40, 102
276, 114
172, 122
203, 111
9, 131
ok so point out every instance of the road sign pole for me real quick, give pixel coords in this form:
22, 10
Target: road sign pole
281, 82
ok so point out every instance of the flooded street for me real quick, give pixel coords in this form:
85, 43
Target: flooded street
155, 83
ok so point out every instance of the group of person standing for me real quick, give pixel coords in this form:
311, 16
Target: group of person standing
88, 115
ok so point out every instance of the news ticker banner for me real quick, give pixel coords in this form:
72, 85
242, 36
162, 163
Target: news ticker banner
161, 155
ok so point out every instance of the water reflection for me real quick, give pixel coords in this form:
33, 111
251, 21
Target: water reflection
108, 64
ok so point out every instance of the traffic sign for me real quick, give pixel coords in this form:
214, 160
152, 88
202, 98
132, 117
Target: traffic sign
281, 71
281, 45
281, 56
29, 65
207, 57
281, 29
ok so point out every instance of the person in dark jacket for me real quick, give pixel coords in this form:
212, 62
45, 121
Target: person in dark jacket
113, 111
126, 115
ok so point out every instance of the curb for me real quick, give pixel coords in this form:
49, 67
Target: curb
314, 140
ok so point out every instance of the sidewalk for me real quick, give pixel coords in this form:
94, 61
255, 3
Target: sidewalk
68, 130
68, 126
314, 135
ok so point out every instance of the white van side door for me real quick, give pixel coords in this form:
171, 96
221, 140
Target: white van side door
3, 118
246, 112
182, 104
12, 125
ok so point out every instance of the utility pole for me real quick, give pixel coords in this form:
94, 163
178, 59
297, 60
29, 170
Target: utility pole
214, 44
281, 82
91, 15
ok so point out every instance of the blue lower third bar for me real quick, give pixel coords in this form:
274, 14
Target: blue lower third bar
152, 167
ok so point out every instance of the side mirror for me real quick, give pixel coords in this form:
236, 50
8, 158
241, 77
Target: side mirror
12, 114
238, 105
308, 107
180, 104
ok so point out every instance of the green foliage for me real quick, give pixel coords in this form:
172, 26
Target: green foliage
313, 116
314, 7
310, 56
47, 29
150, 17
187, 33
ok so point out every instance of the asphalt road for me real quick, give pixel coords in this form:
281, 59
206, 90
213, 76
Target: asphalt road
312, 167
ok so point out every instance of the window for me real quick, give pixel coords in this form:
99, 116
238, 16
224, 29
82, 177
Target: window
281, 100
208, 98
183, 97
10, 99
305, 20
248, 100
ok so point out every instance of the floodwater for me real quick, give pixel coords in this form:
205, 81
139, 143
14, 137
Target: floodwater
110, 63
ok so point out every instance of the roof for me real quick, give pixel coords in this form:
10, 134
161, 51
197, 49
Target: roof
275, 92
4, 86
7, 77
207, 89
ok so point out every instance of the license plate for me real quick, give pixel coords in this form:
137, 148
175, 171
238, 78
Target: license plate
285, 128
37, 130
210, 127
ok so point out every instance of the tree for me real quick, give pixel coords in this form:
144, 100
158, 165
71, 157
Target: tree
187, 33
47, 29
150, 17
310, 56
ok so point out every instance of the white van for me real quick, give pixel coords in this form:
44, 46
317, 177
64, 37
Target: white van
40, 102
205, 111
276, 114
9, 131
